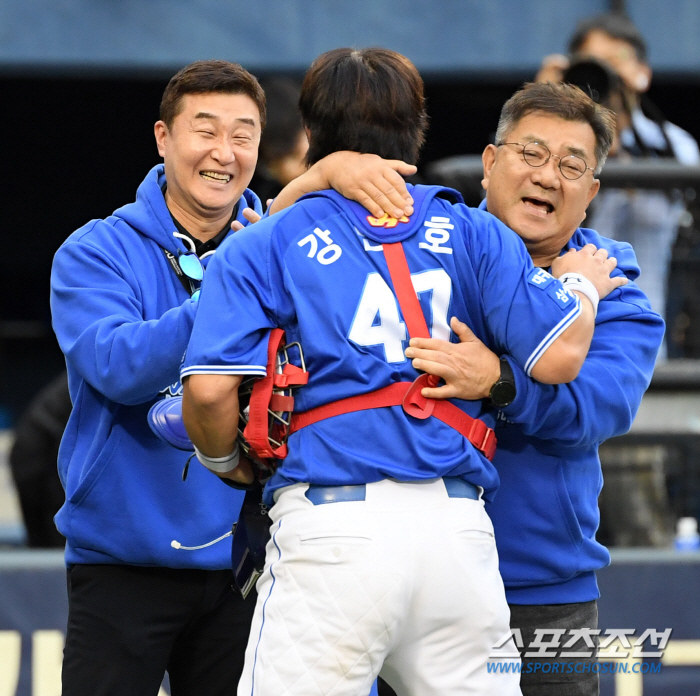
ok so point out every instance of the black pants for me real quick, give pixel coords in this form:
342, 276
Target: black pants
127, 625
564, 681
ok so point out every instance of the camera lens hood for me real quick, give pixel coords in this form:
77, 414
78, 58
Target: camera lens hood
594, 77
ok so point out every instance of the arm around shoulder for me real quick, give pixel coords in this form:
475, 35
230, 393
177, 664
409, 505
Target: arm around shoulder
603, 400
562, 361
373, 182
591, 279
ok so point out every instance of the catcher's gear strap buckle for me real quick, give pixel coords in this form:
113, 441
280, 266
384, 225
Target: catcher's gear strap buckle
407, 394
262, 398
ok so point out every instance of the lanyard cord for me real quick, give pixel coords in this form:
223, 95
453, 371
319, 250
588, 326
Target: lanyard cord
186, 282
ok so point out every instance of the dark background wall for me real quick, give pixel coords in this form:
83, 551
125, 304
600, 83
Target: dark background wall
77, 148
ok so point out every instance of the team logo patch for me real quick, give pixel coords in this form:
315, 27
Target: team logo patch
540, 278
172, 390
386, 221
561, 296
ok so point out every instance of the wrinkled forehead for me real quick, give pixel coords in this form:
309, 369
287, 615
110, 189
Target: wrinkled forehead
219, 106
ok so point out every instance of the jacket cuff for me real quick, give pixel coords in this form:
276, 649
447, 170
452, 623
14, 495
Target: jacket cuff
523, 384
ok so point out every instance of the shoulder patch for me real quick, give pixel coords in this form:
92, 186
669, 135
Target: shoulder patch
561, 295
540, 278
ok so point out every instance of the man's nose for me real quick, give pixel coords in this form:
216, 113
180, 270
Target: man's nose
223, 152
548, 175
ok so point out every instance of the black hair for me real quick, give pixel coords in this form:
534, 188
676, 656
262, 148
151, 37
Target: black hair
368, 100
204, 76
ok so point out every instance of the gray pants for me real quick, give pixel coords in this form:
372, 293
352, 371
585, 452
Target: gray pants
563, 680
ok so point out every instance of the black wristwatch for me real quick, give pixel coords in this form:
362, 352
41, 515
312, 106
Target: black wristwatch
503, 391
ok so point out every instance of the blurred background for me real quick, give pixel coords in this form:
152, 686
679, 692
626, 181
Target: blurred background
81, 81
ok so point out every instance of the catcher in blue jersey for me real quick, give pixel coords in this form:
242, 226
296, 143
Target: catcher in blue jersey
382, 558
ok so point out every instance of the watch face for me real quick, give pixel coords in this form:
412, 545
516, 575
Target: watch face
503, 393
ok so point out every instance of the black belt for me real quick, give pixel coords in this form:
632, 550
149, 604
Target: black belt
320, 495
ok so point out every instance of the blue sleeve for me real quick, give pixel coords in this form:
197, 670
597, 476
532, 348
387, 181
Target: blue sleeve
603, 400
525, 308
97, 315
237, 307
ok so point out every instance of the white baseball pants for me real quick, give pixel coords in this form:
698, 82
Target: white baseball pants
404, 584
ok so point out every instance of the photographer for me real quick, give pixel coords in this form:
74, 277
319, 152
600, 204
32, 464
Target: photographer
609, 52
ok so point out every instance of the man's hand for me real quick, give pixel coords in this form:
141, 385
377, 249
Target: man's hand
469, 368
594, 264
373, 182
250, 215
553, 68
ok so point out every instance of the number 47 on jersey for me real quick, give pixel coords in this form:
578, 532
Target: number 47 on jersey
377, 319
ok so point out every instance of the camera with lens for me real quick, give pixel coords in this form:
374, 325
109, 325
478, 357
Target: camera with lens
597, 79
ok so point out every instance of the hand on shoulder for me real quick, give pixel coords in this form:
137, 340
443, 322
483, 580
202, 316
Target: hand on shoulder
594, 264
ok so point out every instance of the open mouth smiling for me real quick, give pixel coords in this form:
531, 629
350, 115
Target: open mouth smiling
215, 176
544, 207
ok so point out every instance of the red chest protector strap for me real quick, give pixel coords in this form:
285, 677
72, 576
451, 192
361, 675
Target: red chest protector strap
263, 399
407, 394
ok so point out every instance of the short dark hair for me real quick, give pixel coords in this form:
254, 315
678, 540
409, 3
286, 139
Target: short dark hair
204, 76
368, 100
562, 100
618, 26
283, 118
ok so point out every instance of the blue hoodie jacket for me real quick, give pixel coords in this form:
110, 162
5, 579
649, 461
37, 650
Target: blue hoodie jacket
545, 514
123, 321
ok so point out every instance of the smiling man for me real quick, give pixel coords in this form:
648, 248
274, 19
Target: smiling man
123, 303
210, 148
122, 312
539, 179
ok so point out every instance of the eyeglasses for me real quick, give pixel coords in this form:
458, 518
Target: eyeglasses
536, 154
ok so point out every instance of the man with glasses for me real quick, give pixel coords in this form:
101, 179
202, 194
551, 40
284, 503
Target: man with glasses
539, 179
537, 154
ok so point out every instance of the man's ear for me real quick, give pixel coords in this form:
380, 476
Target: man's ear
160, 130
488, 157
595, 187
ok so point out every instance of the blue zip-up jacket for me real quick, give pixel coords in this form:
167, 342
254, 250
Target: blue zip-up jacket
123, 320
545, 514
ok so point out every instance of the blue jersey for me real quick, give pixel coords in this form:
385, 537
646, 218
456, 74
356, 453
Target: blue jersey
318, 271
